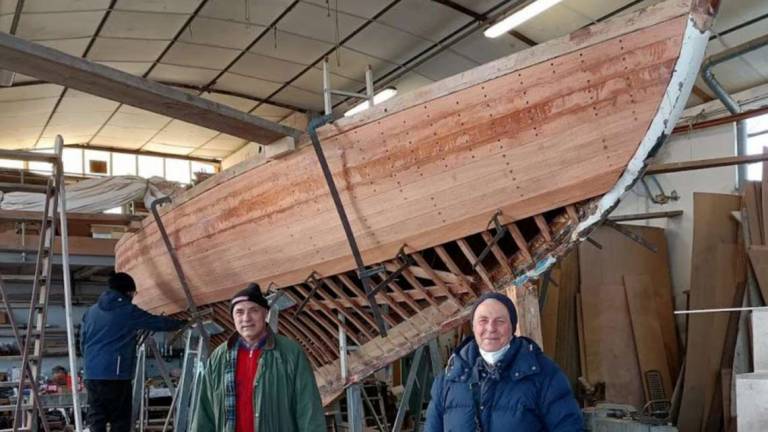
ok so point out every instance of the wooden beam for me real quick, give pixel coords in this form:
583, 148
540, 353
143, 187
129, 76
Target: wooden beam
57, 67
646, 216
526, 299
672, 167
95, 218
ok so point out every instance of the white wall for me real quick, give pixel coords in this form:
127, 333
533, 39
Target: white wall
701, 144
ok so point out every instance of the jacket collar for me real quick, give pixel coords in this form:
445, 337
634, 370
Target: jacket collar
269, 344
520, 361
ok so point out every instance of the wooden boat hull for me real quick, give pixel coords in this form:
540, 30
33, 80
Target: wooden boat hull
569, 122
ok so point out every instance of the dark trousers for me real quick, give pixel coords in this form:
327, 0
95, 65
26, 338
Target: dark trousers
109, 401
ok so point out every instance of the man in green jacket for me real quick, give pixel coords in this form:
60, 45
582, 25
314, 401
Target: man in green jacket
257, 381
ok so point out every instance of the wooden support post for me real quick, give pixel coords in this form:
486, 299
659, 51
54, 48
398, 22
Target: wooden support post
526, 299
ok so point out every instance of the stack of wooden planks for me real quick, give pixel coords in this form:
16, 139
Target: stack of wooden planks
608, 317
756, 212
718, 273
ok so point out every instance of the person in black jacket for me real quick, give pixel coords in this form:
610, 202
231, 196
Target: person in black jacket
108, 343
497, 382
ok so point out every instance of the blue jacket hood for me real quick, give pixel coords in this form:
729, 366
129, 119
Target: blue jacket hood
110, 300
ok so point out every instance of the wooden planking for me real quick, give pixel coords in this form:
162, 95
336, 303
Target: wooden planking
648, 337
57, 67
716, 270
610, 29
77, 245
365, 192
620, 257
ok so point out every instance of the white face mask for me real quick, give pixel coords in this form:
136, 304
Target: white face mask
492, 357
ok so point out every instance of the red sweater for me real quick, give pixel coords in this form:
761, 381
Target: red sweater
245, 374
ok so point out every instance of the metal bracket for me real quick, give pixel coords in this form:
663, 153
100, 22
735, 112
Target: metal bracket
312, 281
594, 243
635, 237
405, 263
314, 124
501, 231
191, 306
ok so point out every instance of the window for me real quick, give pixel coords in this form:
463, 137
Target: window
757, 128
202, 167
41, 167
150, 166
123, 164
177, 170
96, 162
9, 163
73, 160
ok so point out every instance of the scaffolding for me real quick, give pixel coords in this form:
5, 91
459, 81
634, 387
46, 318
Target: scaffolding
31, 344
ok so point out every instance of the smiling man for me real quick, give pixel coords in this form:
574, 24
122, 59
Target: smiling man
496, 381
257, 381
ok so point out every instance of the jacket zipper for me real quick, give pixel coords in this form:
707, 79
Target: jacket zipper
118, 365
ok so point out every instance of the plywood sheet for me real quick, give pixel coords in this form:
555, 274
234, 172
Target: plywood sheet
648, 337
716, 271
622, 257
610, 351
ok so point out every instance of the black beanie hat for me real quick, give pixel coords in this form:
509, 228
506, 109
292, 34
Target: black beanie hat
122, 283
506, 301
251, 293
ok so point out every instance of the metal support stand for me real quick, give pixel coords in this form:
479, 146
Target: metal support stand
188, 390
413, 380
355, 417
139, 380
361, 269
177, 266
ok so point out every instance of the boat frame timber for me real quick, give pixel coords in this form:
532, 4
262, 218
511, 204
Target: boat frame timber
436, 290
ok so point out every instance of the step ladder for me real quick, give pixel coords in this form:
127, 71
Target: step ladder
32, 344
140, 406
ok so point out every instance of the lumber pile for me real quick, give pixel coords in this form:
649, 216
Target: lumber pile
718, 274
607, 318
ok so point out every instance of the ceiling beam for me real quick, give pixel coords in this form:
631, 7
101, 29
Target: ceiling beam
57, 67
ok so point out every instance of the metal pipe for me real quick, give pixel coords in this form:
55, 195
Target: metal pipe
59, 170
731, 104
739, 309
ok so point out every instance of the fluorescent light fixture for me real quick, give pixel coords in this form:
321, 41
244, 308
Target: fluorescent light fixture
378, 98
519, 17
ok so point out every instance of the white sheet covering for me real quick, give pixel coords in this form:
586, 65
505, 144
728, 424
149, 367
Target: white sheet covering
96, 195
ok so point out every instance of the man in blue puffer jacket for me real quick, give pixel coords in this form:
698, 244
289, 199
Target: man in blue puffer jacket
496, 382
108, 343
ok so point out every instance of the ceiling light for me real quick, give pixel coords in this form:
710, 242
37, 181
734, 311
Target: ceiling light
519, 17
6, 78
378, 98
